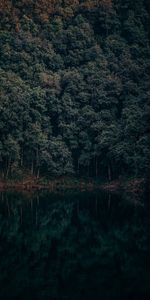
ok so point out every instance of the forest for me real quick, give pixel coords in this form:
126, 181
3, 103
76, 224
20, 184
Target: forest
74, 77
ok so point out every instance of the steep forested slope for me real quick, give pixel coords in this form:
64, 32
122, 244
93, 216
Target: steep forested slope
74, 87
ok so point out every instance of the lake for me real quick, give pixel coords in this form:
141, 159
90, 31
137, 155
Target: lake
74, 245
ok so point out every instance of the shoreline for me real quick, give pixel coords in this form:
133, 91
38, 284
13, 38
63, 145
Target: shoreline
134, 186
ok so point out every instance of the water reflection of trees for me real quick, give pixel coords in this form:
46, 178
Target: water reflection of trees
73, 246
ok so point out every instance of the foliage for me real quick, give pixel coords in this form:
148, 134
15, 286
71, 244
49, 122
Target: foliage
75, 87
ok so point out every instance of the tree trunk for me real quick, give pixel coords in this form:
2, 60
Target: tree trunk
88, 169
96, 170
32, 168
78, 170
38, 173
109, 173
8, 167
21, 158
37, 163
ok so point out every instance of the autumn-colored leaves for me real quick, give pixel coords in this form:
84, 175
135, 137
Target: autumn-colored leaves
43, 9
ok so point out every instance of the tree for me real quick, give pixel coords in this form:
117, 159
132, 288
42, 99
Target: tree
57, 158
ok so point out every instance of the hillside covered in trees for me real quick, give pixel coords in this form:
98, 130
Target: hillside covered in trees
75, 87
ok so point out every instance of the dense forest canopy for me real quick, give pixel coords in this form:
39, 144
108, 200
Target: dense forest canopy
75, 87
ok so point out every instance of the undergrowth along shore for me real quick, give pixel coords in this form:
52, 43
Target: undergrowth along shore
133, 185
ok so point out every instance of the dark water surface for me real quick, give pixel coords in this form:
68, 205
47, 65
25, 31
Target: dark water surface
87, 245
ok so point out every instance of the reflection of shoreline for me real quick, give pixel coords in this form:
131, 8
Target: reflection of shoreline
134, 186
